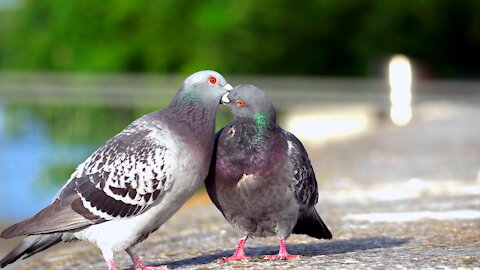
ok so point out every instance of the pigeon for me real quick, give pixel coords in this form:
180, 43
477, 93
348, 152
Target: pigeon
261, 178
136, 181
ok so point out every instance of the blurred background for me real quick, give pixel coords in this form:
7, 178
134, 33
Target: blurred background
384, 94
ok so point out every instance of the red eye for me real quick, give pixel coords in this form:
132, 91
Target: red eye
212, 80
240, 103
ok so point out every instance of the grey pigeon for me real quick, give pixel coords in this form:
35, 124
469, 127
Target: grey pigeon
261, 178
136, 181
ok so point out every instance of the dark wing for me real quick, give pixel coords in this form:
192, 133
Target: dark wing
303, 183
210, 181
121, 179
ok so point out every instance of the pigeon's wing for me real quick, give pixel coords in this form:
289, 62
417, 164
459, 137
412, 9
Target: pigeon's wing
210, 181
303, 183
126, 176
121, 179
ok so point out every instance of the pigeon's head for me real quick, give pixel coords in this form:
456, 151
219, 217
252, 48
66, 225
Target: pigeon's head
207, 86
250, 101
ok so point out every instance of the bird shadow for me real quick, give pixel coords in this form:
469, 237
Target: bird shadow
306, 250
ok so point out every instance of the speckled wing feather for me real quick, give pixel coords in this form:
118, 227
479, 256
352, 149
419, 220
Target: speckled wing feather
303, 182
121, 179
124, 177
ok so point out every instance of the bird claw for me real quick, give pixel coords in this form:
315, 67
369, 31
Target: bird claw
234, 258
281, 257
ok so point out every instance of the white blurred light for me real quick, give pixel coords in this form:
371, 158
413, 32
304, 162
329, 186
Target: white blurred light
321, 125
325, 127
400, 78
416, 184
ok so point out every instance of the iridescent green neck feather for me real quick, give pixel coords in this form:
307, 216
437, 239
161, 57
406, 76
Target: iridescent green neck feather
261, 121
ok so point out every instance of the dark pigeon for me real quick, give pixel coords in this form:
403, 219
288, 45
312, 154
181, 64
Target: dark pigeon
135, 182
261, 178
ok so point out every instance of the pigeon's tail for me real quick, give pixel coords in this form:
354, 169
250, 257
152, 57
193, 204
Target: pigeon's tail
16, 229
310, 223
29, 246
57, 217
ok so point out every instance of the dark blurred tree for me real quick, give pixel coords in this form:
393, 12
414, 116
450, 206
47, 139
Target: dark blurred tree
324, 37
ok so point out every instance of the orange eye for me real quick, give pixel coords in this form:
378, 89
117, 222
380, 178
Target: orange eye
212, 80
240, 103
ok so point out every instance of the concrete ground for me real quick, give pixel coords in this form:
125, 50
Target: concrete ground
394, 198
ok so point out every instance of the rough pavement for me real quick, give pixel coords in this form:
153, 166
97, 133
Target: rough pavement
396, 198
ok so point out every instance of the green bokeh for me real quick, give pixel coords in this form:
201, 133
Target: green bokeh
250, 37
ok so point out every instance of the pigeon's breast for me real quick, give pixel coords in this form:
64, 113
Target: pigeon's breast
237, 155
254, 195
257, 205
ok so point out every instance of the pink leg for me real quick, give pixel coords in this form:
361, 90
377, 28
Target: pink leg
111, 264
138, 264
239, 254
282, 253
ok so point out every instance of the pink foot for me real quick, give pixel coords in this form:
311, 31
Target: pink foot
111, 264
282, 253
239, 254
140, 266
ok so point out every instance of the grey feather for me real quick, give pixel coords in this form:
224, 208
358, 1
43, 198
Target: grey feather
119, 177
30, 246
54, 218
303, 183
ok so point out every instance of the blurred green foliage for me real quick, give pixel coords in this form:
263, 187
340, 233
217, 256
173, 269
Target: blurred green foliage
326, 37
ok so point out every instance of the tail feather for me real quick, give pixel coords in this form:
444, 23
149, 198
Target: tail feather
29, 246
57, 217
15, 229
310, 223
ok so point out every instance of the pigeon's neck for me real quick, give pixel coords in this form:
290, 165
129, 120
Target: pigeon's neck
263, 122
255, 130
193, 119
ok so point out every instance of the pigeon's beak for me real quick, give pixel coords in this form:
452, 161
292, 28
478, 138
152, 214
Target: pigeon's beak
225, 99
